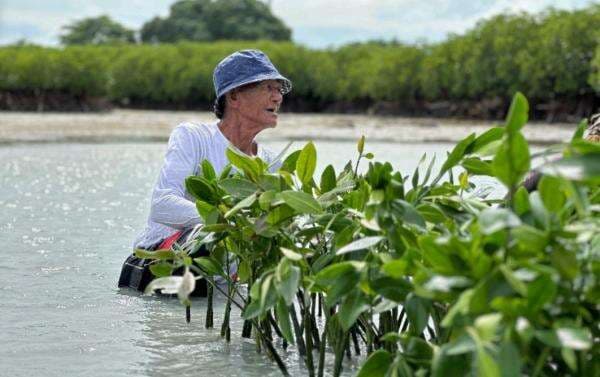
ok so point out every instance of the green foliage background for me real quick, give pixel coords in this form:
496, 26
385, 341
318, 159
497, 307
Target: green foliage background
549, 57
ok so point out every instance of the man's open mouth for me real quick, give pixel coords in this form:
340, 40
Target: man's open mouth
274, 111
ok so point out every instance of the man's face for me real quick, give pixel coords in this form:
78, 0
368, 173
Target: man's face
260, 103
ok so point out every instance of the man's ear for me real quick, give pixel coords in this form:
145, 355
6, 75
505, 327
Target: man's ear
232, 98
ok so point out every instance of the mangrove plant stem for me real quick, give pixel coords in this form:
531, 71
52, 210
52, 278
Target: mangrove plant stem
339, 354
308, 337
297, 331
322, 349
353, 332
540, 362
209, 307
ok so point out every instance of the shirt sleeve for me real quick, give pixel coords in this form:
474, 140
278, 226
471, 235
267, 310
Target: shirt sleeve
169, 205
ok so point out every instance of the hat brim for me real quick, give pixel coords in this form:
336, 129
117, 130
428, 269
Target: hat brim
286, 84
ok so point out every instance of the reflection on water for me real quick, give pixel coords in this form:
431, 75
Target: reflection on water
176, 348
68, 215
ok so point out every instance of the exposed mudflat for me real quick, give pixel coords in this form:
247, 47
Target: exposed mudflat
144, 125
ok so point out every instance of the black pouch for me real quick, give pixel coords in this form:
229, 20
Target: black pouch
136, 273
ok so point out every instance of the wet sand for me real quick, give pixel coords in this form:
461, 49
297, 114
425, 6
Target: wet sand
144, 125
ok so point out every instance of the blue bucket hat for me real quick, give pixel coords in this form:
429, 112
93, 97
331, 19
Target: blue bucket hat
246, 67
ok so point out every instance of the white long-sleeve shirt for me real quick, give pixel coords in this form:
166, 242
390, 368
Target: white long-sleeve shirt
172, 208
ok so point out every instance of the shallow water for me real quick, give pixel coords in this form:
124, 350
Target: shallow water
68, 215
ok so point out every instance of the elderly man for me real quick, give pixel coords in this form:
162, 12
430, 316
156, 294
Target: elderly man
249, 92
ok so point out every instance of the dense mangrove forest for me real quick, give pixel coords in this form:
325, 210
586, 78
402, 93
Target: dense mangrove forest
552, 57
416, 274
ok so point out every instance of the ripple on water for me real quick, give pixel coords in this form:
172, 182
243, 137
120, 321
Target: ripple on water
69, 213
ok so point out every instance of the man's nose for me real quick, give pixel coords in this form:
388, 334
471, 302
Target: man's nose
276, 96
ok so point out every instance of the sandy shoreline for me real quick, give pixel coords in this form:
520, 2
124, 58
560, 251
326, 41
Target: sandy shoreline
144, 125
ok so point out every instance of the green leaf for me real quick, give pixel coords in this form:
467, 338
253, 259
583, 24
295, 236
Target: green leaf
540, 292
492, 220
431, 213
289, 164
446, 365
415, 175
208, 212
513, 281
238, 187
360, 244
217, 228
570, 358
396, 268
252, 310
530, 239
477, 166
390, 288
441, 283
290, 254
360, 146
301, 202
328, 181
353, 305
521, 201
245, 203
268, 298
584, 168
583, 147
207, 170
279, 214
200, 188
581, 127
483, 140
306, 164
510, 360
487, 326
417, 310
405, 211
243, 162
162, 254
486, 365
512, 161
270, 182
457, 153
459, 308
565, 261
288, 280
416, 349
550, 191
161, 269
518, 114
540, 213
244, 272
210, 265
339, 279
376, 365
265, 199
463, 344
572, 338
283, 319
435, 255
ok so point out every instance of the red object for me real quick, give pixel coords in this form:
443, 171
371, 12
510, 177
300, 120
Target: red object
167, 243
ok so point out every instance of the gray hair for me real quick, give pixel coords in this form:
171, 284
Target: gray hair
593, 131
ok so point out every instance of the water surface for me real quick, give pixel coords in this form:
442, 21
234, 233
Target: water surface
68, 215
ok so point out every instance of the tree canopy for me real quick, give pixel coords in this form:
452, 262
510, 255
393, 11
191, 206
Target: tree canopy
96, 31
206, 20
